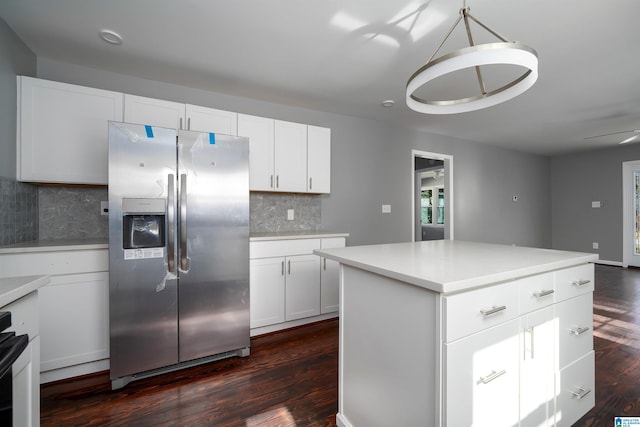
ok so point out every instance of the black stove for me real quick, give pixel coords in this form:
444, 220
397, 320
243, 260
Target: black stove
11, 347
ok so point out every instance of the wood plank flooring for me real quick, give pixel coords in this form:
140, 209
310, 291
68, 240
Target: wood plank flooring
290, 379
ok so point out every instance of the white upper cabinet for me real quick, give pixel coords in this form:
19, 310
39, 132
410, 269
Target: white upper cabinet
290, 156
207, 119
319, 159
287, 156
168, 114
62, 131
260, 132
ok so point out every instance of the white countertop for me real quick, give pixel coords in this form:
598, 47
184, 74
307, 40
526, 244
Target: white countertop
55, 245
448, 266
14, 288
289, 235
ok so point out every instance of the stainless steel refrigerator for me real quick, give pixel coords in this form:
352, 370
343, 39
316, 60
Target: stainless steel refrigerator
178, 249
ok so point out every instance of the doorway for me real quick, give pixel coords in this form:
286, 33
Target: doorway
631, 213
432, 195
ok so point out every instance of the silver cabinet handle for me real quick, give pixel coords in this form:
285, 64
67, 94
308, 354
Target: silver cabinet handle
325, 263
492, 376
189, 123
579, 331
271, 182
183, 222
277, 181
530, 331
580, 393
310, 183
282, 270
580, 282
289, 267
493, 310
543, 293
171, 213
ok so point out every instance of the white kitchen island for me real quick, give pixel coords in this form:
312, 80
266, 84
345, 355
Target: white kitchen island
453, 333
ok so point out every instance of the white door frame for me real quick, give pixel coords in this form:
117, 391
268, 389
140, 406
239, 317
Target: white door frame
448, 190
627, 204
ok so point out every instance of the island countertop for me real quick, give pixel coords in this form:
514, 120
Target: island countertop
449, 266
14, 288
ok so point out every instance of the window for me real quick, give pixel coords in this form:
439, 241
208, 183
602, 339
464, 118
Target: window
432, 205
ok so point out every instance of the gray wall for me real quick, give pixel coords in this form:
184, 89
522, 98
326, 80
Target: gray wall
15, 58
578, 179
372, 165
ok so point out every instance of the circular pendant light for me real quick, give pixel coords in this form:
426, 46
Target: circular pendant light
474, 56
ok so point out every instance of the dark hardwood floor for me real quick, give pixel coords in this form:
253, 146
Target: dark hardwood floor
290, 379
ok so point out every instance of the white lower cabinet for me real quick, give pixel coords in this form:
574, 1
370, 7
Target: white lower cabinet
527, 362
482, 378
78, 305
289, 284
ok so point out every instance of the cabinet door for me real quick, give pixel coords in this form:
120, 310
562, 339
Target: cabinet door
266, 280
319, 159
74, 320
537, 349
154, 112
290, 156
206, 119
260, 132
62, 131
329, 277
481, 375
302, 287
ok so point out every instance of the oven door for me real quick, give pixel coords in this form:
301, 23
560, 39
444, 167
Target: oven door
11, 347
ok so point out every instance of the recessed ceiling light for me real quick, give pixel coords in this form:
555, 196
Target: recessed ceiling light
110, 37
388, 103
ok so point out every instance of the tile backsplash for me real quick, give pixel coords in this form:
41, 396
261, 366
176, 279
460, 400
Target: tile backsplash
72, 212
18, 212
51, 212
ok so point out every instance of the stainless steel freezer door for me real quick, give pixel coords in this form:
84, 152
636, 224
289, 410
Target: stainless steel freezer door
142, 295
213, 244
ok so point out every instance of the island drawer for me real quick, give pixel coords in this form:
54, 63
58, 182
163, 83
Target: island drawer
575, 328
536, 292
473, 311
574, 281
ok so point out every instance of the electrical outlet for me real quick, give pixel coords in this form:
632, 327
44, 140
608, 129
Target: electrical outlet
290, 214
104, 208
595, 245
386, 208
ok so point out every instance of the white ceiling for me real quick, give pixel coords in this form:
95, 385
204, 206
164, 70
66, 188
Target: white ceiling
348, 56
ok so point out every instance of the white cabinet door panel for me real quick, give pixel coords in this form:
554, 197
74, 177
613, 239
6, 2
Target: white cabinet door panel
537, 346
319, 159
260, 132
153, 112
62, 131
74, 320
482, 378
266, 284
290, 156
302, 287
206, 119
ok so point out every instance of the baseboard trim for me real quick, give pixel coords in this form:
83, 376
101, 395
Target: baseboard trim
605, 262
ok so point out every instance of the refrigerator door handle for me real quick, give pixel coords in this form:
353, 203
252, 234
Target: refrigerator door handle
183, 222
171, 214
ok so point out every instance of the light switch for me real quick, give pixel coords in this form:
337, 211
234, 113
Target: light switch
386, 208
290, 214
104, 208
595, 204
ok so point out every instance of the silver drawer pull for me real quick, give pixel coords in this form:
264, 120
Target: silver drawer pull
543, 293
580, 393
492, 376
493, 310
580, 282
579, 331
